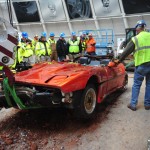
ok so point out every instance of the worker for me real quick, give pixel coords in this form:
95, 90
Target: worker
85, 35
17, 56
84, 40
52, 44
42, 49
90, 45
27, 48
61, 47
140, 46
74, 47
23, 51
35, 40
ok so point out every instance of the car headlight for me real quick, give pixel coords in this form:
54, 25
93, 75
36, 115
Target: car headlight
67, 97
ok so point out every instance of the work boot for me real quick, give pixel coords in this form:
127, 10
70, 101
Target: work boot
131, 107
147, 107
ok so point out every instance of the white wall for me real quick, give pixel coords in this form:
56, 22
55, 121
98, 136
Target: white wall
117, 23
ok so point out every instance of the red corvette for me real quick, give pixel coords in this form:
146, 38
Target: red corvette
79, 86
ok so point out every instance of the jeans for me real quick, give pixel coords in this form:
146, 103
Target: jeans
139, 74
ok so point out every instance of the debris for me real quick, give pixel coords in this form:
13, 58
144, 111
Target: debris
33, 146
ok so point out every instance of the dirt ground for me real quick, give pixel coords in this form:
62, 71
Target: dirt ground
114, 127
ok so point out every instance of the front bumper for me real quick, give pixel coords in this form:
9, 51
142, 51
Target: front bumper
25, 96
3, 102
28, 97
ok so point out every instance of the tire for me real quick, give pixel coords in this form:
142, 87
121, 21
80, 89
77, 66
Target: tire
87, 104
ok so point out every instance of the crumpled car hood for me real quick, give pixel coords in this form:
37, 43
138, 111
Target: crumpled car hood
57, 74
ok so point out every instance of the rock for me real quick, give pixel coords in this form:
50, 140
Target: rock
33, 146
45, 142
62, 148
8, 141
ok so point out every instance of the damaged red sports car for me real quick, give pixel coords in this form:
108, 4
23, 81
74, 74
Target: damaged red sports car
78, 86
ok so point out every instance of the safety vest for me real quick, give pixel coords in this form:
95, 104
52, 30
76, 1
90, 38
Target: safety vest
90, 47
18, 56
27, 50
40, 49
20, 52
142, 48
83, 46
1, 68
34, 42
52, 44
74, 46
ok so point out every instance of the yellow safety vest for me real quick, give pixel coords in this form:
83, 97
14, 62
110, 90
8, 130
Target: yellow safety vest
27, 50
142, 48
74, 46
40, 49
1, 68
52, 44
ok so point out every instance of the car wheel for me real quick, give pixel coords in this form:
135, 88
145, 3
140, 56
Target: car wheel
88, 102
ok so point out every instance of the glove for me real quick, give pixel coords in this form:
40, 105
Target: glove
111, 64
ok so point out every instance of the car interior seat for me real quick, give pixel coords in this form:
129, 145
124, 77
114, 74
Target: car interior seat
105, 62
84, 60
94, 62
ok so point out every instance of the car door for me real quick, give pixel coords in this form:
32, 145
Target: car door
111, 78
115, 77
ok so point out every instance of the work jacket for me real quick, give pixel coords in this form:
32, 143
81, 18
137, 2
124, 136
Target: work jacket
61, 48
27, 49
90, 45
17, 56
142, 48
42, 49
34, 42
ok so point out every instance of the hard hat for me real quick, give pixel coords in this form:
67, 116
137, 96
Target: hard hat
87, 32
43, 34
36, 35
140, 23
90, 34
62, 35
84, 32
51, 34
73, 33
25, 35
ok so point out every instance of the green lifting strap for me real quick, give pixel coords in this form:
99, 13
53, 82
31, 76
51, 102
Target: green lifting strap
10, 91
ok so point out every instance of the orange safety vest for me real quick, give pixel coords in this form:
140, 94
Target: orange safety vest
90, 45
